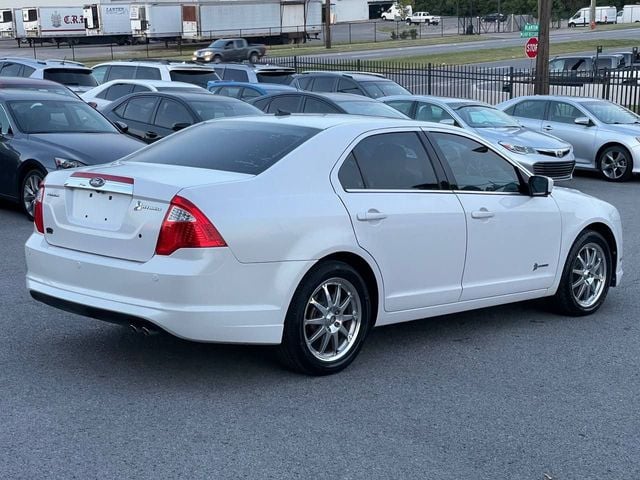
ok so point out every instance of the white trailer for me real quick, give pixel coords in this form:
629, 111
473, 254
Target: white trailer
7, 29
155, 20
289, 20
52, 23
629, 14
107, 22
582, 17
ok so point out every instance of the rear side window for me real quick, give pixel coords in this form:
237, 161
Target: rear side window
349, 174
323, 84
10, 70
403, 106
242, 147
148, 73
196, 77
395, 161
27, 71
99, 73
170, 113
285, 103
73, 77
249, 93
348, 86
235, 75
304, 82
117, 91
229, 92
140, 109
312, 105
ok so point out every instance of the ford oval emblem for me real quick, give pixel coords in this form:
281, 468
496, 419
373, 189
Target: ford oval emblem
96, 182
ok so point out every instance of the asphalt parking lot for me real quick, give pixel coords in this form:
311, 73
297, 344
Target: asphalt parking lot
513, 392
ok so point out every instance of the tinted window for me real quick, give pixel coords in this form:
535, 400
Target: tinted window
383, 88
141, 88
403, 106
476, 167
348, 86
349, 174
235, 75
428, 112
10, 70
243, 147
100, 72
323, 84
563, 112
374, 109
395, 161
304, 82
282, 78
229, 91
4, 122
140, 109
148, 73
73, 77
248, 93
197, 77
121, 72
58, 116
27, 71
117, 91
285, 103
312, 105
261, 104
57, 89
528, 109
209, 109
170, 113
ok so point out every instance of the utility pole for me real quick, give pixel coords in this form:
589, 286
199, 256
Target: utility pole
541, 85
592, 13
327, 23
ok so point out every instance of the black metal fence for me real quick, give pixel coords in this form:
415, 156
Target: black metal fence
490, 85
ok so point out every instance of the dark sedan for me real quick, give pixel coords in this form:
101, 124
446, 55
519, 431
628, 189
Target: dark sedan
35, 85
154, 115
306, 102
42, 132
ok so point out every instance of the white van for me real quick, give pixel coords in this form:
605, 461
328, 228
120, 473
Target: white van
582, 18
629, 14
395, 12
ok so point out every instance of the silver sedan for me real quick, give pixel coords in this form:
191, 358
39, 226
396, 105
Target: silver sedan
604, 135
539, 153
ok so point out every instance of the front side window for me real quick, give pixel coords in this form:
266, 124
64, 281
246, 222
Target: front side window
10, 70
312, 105
476, 167
533, 109
562, 112
229, 91
249, 93
403, 106
170, 113
117, 91
210, 109
121, 72
99, 73
140, 109
348, 86
383, 88
304, 83
148, 73
285, 103
323, 84
5, 127
395, 161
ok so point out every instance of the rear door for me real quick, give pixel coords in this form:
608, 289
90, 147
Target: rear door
560, 122
415, 231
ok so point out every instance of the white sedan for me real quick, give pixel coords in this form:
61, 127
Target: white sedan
307, 231
108, 92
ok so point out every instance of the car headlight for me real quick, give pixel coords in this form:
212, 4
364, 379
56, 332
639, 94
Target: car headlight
66, 163
517, 148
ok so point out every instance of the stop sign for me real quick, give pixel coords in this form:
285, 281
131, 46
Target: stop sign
531, 47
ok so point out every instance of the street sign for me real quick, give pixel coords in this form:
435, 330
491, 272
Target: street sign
531, 48
530, 30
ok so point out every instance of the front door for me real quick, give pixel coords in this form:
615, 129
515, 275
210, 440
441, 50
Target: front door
513, 239
415, 231
560, 122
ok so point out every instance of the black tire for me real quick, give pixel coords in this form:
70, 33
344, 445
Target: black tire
217, 59
615, 153
564, 301
296, 350
27, 196
254, 57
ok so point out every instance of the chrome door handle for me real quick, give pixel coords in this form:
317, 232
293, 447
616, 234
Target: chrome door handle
482, 213
371, 216
547, 128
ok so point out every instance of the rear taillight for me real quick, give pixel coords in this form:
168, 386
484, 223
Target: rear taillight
185, 226
38, 217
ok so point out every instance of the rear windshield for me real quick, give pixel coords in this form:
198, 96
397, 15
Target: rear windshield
241, 147
196, 77
71, 76
282, 78
44, 88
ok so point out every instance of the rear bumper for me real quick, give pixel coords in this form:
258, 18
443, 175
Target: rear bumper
197, 294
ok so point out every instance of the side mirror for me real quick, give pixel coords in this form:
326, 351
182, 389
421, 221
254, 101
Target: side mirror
540, 186
180, 126
93, 105
448, 121
583, 121
123, 127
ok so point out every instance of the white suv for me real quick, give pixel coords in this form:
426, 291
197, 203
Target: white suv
167, 70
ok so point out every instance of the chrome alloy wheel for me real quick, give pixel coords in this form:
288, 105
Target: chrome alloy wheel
332, 319
614, 164
589, 274
30, 192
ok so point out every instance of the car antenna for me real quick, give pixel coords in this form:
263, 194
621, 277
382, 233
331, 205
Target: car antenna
282, 113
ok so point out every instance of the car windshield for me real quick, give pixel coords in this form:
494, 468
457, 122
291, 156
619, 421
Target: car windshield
373, 109
197, 77
242, 147
58, 116
76, 77
383, 88
479, 116
611, 113
282, 78
208, 110
43, 88
218, 44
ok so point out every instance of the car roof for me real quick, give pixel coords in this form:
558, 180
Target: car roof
564, 98
331, 96
31, 82
357, 76
150, 83
136, 62
186, 96
259, 86
42, 64
17, 94
255, 68
431, 98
